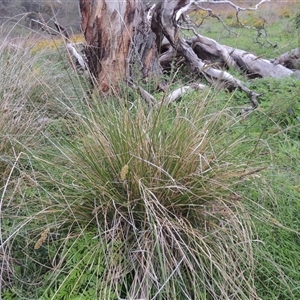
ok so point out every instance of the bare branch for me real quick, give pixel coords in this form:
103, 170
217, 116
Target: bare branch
150, 100
72, 50
236, 7
150, 13
180, 92
183, 9
196, 64
261, 32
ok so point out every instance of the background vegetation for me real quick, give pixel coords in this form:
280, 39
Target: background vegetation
30, 15
115, 200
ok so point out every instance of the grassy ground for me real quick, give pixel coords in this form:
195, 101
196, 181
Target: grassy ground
273, 23
114, 200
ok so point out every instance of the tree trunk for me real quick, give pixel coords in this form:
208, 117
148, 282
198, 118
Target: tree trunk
120, 43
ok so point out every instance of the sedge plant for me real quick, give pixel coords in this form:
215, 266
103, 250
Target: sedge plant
162, 187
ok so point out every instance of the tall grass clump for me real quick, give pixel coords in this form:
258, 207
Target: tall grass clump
19, 127
163, 188
29, 87
16, 119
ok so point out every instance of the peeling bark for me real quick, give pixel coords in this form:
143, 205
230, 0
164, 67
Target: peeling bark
120, 43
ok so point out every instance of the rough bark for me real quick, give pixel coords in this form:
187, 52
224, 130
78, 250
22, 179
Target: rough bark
120, 43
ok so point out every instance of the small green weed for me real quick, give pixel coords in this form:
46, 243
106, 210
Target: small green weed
80, 264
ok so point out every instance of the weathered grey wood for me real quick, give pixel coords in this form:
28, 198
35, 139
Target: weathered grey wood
169, 11
290, 59
244, 61
257, 67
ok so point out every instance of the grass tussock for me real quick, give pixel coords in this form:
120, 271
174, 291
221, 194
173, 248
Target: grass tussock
28, 112
163, 185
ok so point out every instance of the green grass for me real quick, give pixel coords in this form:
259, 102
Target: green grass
281, 32
277, 247
115, 200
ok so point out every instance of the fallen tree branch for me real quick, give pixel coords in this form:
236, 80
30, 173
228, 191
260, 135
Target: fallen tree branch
171, 97
257, 67
150, 100
167, 13
290, 59
80, 61
180, 92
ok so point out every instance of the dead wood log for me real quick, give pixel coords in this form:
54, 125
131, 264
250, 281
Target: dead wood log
255, 66
180, 92
290, 59
171, 10
209, 50
217, 55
